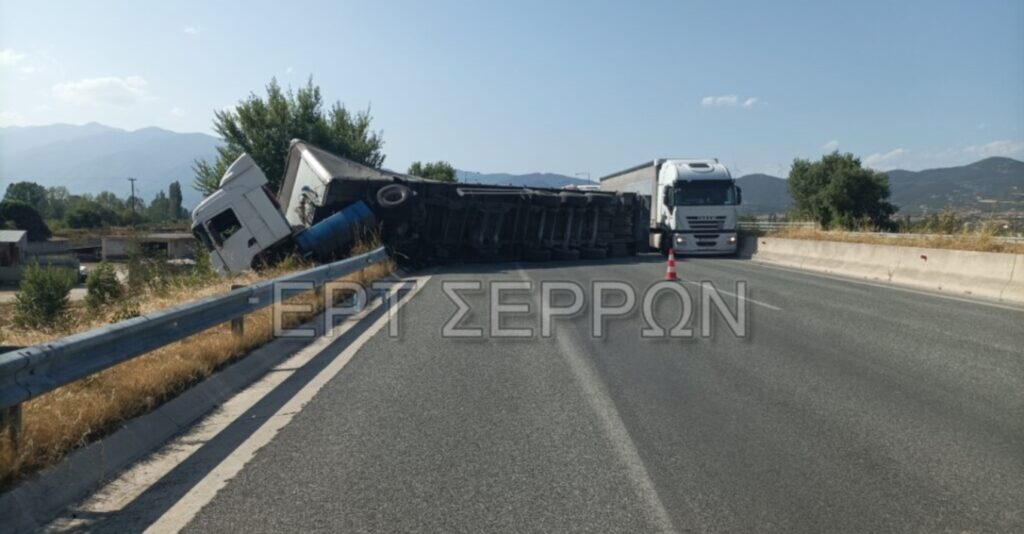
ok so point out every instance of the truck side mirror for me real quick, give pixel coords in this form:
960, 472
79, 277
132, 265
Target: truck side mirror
668, 197
739, 195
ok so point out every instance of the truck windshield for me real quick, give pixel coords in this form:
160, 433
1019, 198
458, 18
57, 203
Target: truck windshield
706, 193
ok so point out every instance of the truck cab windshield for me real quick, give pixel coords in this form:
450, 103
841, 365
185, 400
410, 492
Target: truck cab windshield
705, 193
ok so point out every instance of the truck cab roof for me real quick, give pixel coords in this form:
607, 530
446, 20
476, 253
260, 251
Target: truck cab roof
696, 169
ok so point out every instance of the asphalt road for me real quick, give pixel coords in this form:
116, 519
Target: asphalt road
847, 407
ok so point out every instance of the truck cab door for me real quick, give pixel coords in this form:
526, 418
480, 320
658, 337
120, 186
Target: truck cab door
234, 242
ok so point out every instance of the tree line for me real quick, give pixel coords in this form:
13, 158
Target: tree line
32, 207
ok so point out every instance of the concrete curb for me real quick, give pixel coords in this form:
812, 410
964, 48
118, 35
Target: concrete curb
33, 503
989, 275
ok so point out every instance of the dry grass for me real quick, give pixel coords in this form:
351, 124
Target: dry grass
980, 242
71, 416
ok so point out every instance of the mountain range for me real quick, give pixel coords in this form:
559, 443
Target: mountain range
93, 157
991, 184
536, 179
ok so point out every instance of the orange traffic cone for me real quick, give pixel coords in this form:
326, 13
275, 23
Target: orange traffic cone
670, 273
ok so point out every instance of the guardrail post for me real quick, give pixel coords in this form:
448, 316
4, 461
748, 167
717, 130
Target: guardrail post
238, 323
10, 423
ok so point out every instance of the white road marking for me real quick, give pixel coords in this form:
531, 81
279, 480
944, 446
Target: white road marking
748, 299
603, 406
179, 515
133, 482
925, 292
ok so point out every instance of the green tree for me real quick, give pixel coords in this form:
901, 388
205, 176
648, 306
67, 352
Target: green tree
58, 199
175, 211
111, 201
160, 208
442, 171
264, 127
30, 193
838, 192
86, 213
24, 217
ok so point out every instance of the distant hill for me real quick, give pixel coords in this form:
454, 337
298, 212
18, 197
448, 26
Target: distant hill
764, 194
974, 187
91, 158
537, 179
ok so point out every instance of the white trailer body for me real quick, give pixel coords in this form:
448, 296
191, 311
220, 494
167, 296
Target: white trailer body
693, 203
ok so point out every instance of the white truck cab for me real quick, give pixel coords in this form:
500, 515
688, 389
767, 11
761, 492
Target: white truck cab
240, 219
693, 203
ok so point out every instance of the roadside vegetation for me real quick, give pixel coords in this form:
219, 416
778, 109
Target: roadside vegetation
979, 240
78, 413
841, 200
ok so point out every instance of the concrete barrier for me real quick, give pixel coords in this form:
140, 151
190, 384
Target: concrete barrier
984, 274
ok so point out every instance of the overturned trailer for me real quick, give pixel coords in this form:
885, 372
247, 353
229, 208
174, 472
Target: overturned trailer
327, 202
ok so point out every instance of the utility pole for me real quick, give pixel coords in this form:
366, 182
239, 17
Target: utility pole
132, 199
587, 174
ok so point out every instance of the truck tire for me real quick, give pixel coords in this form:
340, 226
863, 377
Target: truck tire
393, 195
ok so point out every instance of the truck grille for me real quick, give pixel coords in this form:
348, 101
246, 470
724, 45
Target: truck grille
706, 223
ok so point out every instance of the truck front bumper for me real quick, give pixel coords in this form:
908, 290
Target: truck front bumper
705, 243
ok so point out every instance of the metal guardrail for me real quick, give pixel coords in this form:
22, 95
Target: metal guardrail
775, 225
32, 371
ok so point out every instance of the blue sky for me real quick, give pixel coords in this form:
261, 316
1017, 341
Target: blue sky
566, 87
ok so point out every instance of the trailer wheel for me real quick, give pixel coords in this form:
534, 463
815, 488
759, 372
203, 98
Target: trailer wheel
394, 195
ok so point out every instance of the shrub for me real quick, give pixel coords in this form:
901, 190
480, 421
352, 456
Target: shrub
42, 297
203, 272
103, 286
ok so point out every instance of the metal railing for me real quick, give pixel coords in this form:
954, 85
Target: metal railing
31, 371
775, 225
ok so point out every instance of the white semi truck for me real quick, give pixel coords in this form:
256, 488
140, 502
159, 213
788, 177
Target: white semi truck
693, 203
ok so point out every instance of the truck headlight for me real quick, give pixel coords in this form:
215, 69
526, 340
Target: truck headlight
680, 239
732, 239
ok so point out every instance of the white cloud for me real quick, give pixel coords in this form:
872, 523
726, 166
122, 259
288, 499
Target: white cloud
10, 118
887, 160
1003, 147
728, 101
192, 30
109, 90
177, 112
718, 101
10, 58
901, 158
830, 146
289, 69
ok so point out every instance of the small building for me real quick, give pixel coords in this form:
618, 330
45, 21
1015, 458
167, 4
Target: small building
172, 246
55, 246
13, 244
